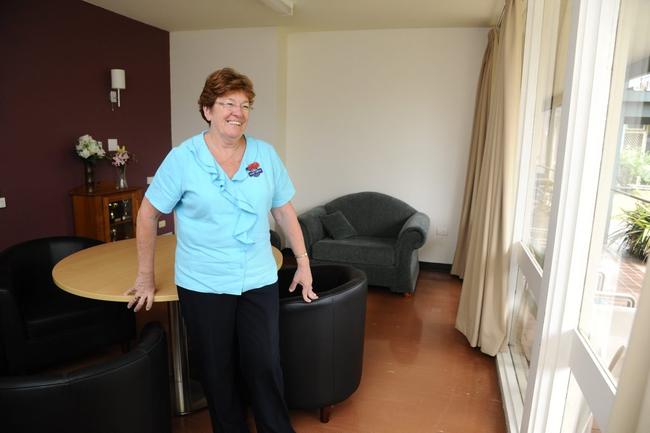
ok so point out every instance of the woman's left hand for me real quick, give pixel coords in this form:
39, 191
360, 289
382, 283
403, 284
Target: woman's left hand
303, 277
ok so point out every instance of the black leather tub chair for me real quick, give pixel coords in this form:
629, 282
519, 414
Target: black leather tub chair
127, 394
40, 324
321, 342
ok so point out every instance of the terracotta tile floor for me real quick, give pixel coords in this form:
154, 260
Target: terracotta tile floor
419, 376
622, 274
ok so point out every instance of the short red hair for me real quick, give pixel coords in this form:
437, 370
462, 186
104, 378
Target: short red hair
222, 82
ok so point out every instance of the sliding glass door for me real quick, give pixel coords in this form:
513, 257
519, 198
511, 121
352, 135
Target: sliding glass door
583, 225
620, 238
536, 187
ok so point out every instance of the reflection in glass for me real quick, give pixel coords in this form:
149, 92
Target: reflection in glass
121, 220
577, 418
541, 171
126, 206
546, 126
620, 243
523, 330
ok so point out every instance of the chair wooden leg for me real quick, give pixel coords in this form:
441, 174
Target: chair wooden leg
325, 413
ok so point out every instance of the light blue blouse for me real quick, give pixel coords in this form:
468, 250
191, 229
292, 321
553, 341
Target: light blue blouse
222, 224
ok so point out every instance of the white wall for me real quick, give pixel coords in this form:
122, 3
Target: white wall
380, 110
388, 111
256, 52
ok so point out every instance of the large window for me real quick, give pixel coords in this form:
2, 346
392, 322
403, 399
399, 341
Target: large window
620, 240
539, 173
546, 126
582, 234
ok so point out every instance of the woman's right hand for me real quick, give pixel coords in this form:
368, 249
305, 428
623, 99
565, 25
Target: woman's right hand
143, 292
144, 287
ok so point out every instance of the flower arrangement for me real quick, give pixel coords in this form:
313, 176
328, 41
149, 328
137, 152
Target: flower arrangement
90, 149
121, 157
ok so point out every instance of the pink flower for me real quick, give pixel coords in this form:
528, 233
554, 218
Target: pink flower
121, 157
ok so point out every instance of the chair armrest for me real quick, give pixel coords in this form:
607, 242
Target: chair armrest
275, 239
414, 232
615, 298
10, 317
12, 328
312, 228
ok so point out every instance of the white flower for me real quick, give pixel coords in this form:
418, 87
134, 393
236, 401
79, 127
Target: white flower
89, 148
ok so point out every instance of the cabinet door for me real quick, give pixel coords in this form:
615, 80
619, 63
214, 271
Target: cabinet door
120, 212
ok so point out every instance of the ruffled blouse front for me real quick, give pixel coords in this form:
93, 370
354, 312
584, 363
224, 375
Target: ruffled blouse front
222, 225
227, 187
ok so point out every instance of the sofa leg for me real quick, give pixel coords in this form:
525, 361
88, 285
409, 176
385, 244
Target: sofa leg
325, 413
408, 294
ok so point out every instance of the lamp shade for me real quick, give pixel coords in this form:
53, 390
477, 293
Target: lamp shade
118, 79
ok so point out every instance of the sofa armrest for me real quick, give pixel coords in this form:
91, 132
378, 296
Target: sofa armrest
414, 232
312, 228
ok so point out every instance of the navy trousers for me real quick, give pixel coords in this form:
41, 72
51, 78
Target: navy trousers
238, 334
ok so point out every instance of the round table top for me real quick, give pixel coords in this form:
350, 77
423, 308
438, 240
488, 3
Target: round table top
108, 270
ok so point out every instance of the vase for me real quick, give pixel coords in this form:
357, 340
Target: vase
89, 176
121, 178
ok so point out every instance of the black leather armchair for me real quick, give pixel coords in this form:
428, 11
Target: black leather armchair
129, 394
40, 324
321, 343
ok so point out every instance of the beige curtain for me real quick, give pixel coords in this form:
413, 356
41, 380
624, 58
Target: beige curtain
485, 237
475, 155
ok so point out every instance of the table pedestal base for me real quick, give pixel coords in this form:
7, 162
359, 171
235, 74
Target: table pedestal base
187, 393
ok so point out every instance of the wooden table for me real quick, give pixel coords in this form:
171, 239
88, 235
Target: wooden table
106, 271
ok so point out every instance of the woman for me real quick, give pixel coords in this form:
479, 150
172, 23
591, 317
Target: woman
222, 185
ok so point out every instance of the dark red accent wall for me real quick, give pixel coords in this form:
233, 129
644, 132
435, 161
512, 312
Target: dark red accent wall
55, 61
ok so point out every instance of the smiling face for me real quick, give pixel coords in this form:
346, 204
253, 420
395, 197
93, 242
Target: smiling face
228, 116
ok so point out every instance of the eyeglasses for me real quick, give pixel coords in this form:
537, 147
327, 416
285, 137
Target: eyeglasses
230, 106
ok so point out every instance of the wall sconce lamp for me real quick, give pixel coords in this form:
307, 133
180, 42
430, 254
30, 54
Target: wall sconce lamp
283, 7
118, 82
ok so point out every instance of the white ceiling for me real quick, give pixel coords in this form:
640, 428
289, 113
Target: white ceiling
179, 15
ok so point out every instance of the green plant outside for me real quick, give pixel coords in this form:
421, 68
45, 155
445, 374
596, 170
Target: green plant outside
634, 168
634, 233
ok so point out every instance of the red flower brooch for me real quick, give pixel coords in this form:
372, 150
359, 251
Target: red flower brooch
254, 169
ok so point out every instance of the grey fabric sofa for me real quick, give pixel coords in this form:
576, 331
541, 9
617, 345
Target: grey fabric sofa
374, 232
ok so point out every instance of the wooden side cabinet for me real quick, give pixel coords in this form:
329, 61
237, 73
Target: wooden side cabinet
106, 214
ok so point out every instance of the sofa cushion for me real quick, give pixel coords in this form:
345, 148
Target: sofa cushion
337, 225
372, 213
357, 249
